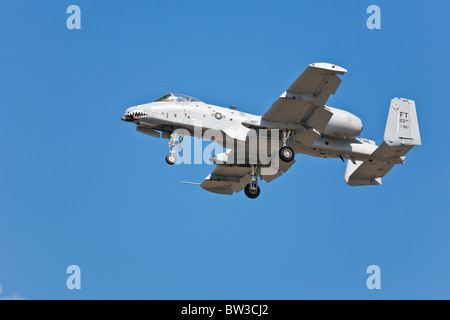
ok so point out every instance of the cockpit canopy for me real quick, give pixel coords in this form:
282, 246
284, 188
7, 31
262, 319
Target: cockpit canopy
176, 97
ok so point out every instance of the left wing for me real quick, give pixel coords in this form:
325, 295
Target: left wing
304, 101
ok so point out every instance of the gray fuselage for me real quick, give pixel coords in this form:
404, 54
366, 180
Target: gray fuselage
169, 116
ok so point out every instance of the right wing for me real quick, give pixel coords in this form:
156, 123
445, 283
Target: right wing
229, 178
226, 179
304, 101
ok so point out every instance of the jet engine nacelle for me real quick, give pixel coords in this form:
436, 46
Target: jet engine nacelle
343, 124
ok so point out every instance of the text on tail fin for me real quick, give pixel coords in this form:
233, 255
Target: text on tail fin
402, 126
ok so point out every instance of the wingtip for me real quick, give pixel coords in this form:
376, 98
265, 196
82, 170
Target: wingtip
328, 66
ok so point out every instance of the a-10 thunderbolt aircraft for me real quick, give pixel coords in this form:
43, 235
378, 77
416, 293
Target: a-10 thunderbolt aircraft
302, 123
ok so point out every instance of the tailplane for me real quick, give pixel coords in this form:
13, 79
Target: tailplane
401, 134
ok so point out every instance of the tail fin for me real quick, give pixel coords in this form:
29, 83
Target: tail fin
402, 127
401, 134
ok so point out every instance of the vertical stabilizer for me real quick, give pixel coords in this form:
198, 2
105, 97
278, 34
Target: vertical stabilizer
402, 127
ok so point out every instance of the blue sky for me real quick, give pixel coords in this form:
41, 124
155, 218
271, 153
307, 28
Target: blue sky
78, 186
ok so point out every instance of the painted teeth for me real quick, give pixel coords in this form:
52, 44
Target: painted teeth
136, 114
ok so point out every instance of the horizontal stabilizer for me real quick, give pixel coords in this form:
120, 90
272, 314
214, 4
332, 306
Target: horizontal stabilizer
359, 173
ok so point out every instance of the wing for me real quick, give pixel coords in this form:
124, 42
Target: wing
304, 101
226, 179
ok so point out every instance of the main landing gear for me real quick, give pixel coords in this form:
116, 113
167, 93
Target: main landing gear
287, 154
252, 190
175, 139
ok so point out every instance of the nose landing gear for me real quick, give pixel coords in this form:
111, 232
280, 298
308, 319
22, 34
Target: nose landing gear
175, 139
171, 159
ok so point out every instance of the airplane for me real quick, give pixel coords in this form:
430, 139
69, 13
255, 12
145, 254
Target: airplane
302, 123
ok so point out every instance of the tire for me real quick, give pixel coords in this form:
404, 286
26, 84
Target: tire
287, 154
171, 159
252, 194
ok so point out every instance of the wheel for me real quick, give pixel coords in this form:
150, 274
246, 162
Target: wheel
287, 154
171, 159
252, 194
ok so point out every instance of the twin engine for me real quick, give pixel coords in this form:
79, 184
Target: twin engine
343, 124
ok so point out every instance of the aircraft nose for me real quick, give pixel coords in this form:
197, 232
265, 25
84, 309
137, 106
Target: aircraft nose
128, 115
134, 113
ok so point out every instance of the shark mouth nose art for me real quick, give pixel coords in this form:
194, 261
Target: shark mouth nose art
136, 115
